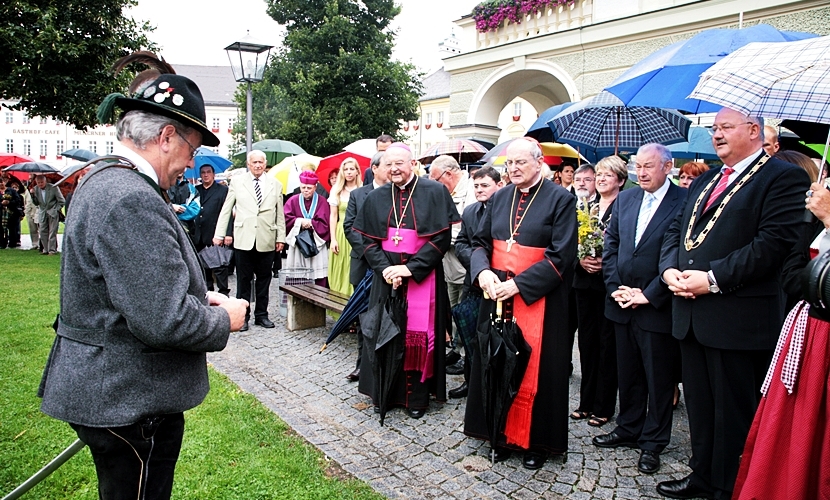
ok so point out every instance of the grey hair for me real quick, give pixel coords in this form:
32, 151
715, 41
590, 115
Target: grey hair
256, 152
585, 167
376, 159
661, 150
445, 162
143, 127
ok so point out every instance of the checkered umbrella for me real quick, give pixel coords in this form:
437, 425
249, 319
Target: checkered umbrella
773, 80
463, 150
605, 124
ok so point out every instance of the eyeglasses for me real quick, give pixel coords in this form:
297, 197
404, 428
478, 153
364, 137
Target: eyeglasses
445, 172
518, 163
727, 127
193, 150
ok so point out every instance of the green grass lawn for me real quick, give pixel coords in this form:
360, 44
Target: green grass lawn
234, 447
24, 226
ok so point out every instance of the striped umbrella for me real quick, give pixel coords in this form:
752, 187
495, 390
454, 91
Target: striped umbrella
463, 150
605, 124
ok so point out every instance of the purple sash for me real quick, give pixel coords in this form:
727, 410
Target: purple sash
420, 299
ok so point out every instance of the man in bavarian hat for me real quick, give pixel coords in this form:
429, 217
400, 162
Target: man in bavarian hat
136, 318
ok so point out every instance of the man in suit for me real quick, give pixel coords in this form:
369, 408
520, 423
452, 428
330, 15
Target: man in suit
722, 259
135, 318
358, 264
485, 182
49, 201
212, 196
641, 308
258, 229
381, 144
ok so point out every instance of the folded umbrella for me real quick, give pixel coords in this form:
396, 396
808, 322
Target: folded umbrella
358, 304
215, 256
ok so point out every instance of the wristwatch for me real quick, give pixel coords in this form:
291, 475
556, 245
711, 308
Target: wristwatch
713, 285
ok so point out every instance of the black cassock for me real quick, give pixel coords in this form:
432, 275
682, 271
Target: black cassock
431, 213
549, 227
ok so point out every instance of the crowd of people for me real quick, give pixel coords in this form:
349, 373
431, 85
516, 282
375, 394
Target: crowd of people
664, 284
40, 202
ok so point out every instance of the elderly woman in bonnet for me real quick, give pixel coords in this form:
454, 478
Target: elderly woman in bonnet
308, 212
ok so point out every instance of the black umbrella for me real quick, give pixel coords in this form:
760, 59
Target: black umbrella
358, 303
32, 167
384, 330
504, 359
80, 154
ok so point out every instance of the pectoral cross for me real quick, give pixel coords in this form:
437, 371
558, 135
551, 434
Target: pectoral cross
510, 243
397, 238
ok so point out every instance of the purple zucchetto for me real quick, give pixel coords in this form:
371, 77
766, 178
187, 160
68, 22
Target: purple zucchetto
307, 177
399, 145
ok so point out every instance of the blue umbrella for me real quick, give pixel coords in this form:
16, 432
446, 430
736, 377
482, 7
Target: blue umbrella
699, 146
205, 156
540, 130
665, 78
358, 303
604, 124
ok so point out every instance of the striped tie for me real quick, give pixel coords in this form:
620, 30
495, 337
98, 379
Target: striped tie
644, 218
258, 192
720, 188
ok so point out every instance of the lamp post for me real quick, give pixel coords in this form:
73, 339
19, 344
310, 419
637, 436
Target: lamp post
248, 59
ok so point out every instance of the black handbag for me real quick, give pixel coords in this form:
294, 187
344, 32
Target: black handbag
306, 244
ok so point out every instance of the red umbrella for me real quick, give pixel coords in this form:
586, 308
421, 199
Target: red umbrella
7, 159
332, 163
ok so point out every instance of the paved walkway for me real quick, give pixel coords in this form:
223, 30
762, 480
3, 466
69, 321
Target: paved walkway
430, 457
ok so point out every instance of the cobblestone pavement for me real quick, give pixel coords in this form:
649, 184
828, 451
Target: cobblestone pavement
430, 457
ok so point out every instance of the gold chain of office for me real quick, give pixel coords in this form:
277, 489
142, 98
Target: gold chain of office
688, 243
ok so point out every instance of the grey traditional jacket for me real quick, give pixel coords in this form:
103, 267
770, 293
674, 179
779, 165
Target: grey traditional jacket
134, 324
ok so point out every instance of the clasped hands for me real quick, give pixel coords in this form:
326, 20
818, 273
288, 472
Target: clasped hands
236, 308
496, 288
687, 284
394, 275
627, 296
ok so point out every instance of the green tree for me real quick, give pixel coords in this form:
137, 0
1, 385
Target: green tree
333, 81
57, 55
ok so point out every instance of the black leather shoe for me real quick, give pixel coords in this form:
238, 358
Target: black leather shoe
613, 440
458, 392
354, 376
499, 454
415, 413
452, 358
682, 488
244, 327
534, 460
264, 322
649, 462
457, 368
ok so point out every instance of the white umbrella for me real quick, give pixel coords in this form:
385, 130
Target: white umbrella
363, 147
773, 80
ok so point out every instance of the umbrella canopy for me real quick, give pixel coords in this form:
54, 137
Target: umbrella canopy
80, 154
358, 304
288, 170
331, 163
32, 167
553, 152
363, 147
665, 78
604, 123
384, 327
7, 159
540, 130
275, 150
205, 156
773, 80
504, 359
810, 133
699, 146
463, 150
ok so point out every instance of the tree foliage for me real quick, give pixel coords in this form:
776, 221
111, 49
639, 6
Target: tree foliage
333, 81
57, 55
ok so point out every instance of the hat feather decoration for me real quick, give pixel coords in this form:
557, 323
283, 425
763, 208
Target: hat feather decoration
106, 110
157, 67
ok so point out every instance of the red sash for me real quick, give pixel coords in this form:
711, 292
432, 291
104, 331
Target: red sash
530, 319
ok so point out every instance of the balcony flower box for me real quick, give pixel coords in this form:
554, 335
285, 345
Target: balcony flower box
490, 15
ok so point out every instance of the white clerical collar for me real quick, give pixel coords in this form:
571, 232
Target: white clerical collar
143, 165
527, 189
411, 178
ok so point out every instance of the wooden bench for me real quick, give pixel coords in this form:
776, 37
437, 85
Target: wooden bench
307, 305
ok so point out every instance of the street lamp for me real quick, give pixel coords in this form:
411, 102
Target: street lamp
248, 59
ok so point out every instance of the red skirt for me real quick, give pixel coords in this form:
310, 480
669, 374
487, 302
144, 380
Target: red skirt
787, 453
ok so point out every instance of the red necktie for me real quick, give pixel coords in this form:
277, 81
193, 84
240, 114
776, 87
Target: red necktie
720, 188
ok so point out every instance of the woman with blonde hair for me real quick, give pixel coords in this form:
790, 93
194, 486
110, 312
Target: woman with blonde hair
348, 179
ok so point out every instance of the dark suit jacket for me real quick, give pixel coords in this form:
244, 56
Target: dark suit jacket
359, 266
745, 249
623, 264
464, 242
212, 200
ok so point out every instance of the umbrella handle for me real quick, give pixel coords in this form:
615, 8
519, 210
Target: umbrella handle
498, 308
